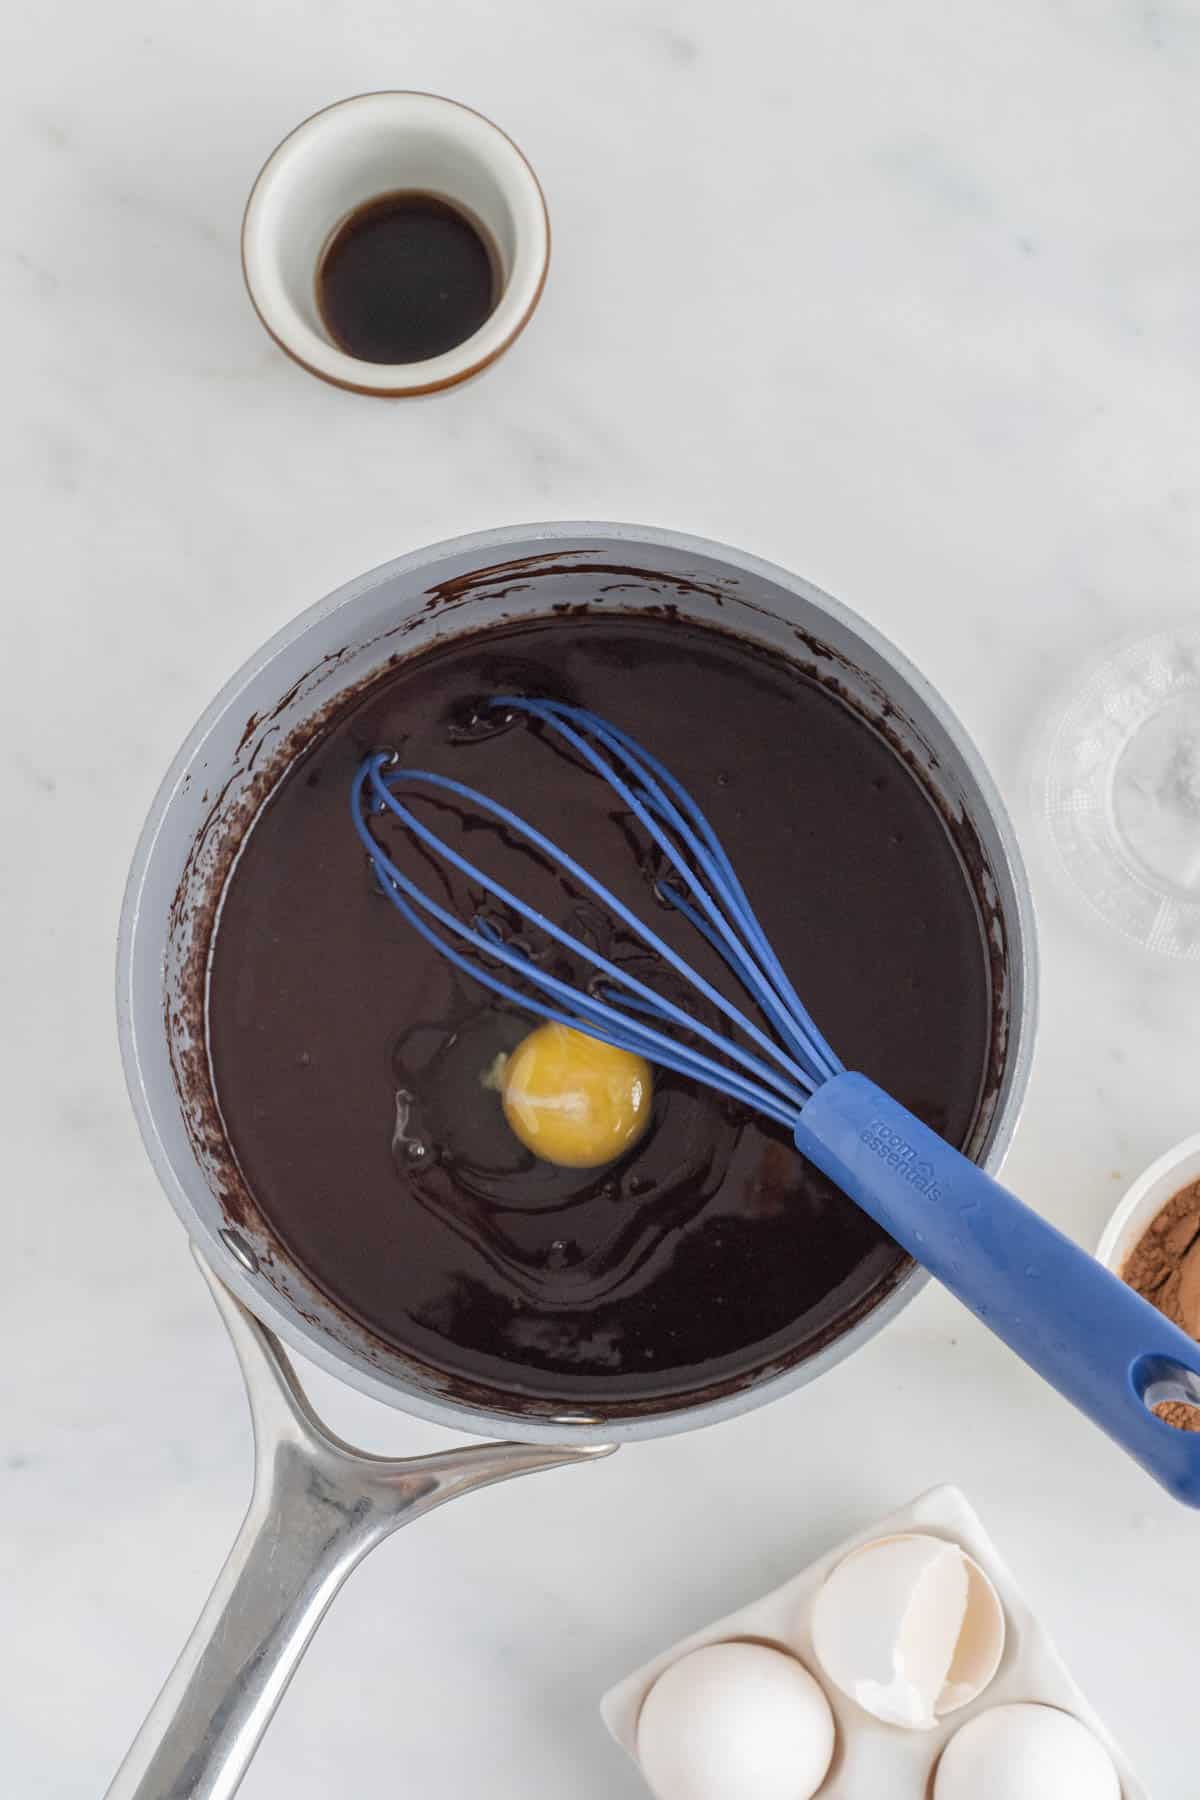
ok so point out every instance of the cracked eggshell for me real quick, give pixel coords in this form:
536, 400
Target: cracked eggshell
735, 1721
910, 1628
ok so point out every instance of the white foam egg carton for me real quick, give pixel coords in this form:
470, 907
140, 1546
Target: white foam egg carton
873, 1759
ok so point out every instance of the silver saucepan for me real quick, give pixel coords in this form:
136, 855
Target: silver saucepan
318, 1505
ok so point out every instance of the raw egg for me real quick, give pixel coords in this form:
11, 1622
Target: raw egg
735, 1721
910, 1628
1026, 1753
573, 1100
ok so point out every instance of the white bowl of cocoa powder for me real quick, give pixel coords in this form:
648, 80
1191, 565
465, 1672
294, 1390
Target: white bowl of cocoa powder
1152, 1241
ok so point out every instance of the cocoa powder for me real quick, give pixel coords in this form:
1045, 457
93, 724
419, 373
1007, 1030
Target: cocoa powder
1164, 1267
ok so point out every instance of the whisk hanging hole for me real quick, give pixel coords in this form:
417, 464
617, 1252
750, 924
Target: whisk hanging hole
1160, 1381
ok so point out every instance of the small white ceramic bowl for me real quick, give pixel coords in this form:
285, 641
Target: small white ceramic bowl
1176, 1170
355, 151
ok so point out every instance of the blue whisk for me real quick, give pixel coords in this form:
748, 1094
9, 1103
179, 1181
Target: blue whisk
1110, 1352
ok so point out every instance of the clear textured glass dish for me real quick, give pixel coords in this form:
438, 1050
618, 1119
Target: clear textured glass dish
1118, 784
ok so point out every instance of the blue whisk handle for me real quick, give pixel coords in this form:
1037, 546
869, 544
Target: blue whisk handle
1110, 1352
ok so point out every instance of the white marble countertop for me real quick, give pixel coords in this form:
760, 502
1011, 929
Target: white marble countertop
905, 298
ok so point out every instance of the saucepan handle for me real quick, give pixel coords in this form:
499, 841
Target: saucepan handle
318, 1507
1110, 1352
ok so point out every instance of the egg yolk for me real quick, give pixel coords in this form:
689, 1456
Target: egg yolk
573, 1100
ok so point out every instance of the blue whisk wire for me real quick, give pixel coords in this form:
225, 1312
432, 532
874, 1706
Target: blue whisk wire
776, 1076
765, 977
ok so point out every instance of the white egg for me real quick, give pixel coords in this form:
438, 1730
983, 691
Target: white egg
1025, 1753
909, 1628
735, 1721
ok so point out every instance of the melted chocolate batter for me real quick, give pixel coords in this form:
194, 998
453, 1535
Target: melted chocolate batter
349, 1058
